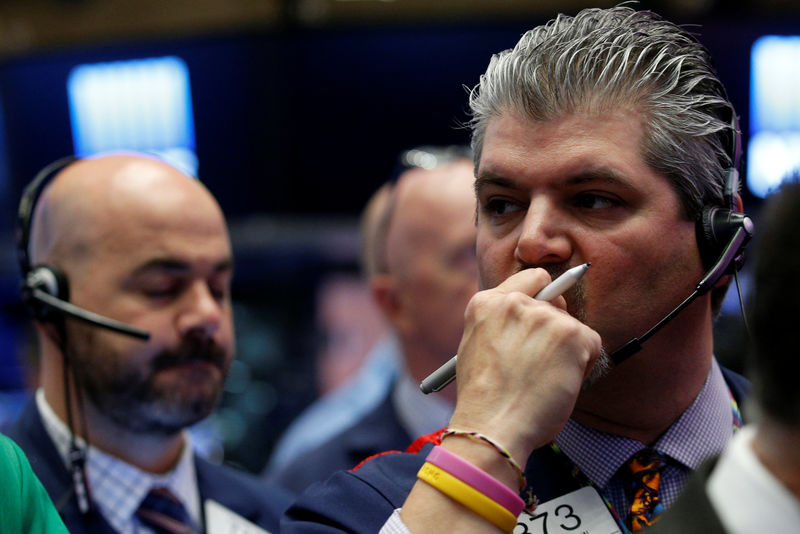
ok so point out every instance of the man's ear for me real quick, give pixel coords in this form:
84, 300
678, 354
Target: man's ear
390, 300
48, 331
385, 295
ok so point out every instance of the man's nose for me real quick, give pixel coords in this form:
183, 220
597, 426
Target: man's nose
544, 236
201, 312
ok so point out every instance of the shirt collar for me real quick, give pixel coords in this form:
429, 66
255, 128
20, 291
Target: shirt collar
419, 414
699, 433
740, 485
117, 487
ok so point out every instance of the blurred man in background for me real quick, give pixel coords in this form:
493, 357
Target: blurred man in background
362, 392
421, 269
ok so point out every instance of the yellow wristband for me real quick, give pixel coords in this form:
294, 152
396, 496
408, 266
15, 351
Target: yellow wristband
468, 496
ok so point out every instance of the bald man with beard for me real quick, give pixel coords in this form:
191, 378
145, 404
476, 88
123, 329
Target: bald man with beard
142, 243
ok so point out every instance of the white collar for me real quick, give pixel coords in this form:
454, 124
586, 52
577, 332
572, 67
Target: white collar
745, 495
419, 414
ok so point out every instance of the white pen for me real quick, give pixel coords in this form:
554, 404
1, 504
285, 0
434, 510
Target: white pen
447, 372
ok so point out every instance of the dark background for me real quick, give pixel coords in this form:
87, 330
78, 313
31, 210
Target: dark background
297, 120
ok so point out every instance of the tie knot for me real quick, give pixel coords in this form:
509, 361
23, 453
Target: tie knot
163, 513
647, 461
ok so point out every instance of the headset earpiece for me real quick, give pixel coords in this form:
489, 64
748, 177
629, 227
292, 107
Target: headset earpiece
46, 278
714, 230
717, 225
49, 279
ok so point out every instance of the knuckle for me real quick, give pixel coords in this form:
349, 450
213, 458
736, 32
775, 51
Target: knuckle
537, 274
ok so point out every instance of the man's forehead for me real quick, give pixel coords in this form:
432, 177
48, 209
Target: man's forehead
183, 265
577, 147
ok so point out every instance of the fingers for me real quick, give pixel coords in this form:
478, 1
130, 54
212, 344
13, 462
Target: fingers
524, 359
527, 281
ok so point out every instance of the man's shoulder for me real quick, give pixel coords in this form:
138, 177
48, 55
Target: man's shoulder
30, 435
377, 431
27, 426
359, 500
738, 384
362, 499
257, 501
330, 414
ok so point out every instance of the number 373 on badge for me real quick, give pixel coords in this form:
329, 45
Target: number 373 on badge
580, 512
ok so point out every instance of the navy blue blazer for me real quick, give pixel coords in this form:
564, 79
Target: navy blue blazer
245, 494
361, 501
379, 430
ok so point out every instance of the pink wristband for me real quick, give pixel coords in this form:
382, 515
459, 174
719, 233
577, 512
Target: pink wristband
477, 478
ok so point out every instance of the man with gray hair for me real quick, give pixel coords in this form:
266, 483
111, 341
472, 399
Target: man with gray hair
603, 138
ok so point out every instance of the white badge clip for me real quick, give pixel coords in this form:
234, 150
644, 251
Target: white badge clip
222, 520
580, 512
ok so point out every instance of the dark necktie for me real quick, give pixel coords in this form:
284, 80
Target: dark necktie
645, 467
164, 514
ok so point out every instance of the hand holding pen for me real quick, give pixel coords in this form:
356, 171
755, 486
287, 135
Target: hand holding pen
447, 372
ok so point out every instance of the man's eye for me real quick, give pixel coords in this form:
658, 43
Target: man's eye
160, 292
498, 206
594, 202
219, 292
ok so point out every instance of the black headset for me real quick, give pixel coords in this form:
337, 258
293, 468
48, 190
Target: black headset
45, 288
718, 224
722, 235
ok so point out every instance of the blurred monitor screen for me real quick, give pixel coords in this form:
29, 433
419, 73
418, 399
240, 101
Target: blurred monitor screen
774, 149
142, 105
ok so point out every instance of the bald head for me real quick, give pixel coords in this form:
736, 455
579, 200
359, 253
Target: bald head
426, 203
93, 200
430, 270
373, 228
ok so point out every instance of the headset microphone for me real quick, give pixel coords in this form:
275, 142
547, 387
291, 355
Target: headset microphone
722, 235
39, 287
728, 257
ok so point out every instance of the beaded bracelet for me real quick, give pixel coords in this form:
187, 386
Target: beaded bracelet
475, 436
477, 478
531, 502
468, 496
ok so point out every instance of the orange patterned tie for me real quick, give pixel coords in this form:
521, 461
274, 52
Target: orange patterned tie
645, 467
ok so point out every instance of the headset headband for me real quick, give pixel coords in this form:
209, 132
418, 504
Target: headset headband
27, 205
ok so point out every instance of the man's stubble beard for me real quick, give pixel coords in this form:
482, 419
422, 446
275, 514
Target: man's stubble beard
576, 306
129, 393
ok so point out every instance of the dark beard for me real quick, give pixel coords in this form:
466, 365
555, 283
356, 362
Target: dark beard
131, 397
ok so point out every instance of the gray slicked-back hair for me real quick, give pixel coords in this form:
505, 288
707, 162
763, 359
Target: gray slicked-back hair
602, 59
